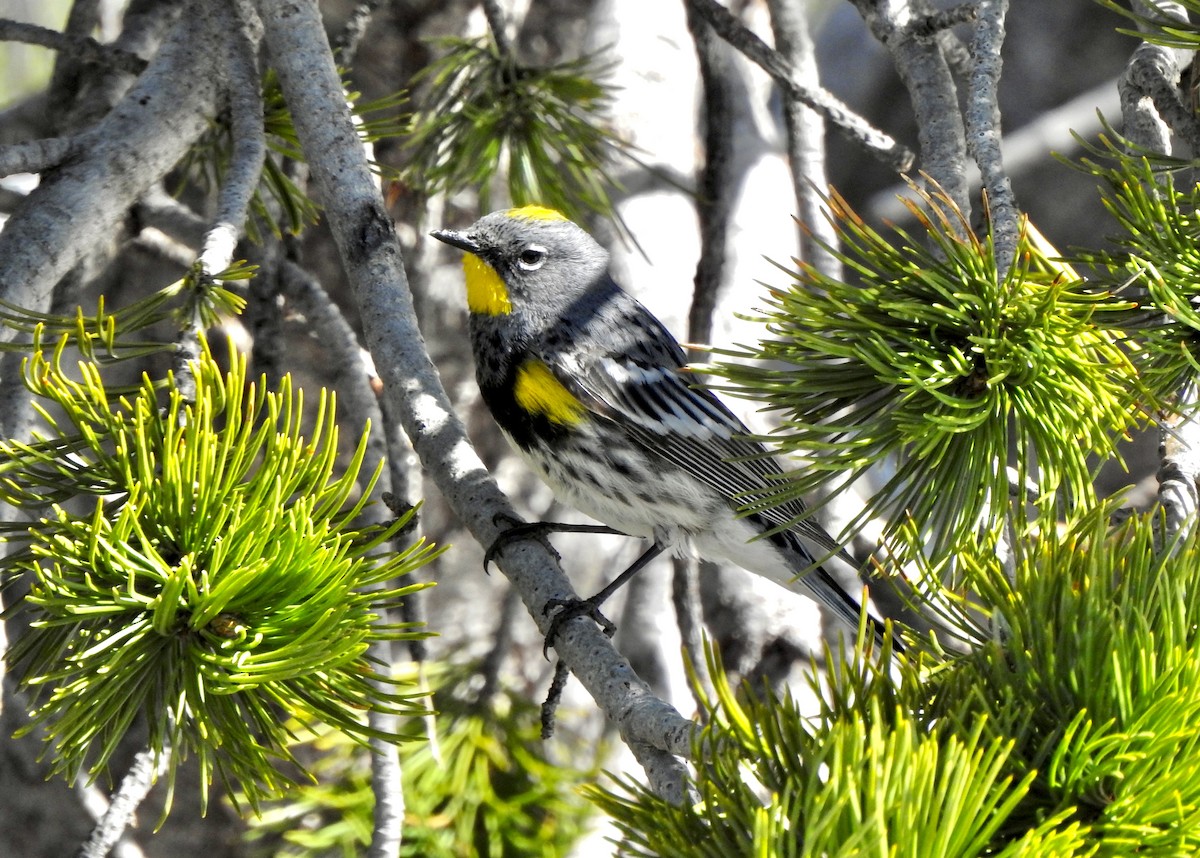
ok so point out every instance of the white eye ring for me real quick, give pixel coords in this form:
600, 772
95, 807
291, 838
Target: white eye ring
532, 257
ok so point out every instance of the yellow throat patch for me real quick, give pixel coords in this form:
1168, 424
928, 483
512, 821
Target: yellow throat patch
486, 293
539, 392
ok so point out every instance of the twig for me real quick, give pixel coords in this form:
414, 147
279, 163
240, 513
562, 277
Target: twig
82, 20
371, 257
1024, 148
136, 784
1150, 100
345, 46
387, 776
876, 142
716, 185
930, 25
685, 596
86, 200
805, 141
80, 96
34, 156
80, 47
240, 37
665, 774
502, 640
95, 803
1179, 467
498, 25
983, 131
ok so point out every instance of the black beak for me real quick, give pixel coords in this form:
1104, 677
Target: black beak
457, 239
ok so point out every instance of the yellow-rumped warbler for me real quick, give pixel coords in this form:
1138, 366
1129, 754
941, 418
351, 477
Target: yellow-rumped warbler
591, 390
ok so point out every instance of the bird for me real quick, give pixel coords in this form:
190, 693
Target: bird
594, 393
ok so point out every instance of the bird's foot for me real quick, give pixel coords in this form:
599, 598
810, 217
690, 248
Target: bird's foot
569, 609
519, 530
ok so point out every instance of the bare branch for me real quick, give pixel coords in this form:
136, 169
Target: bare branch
716, 186
983, 131
874, 141
1150, 100
136, 784
82, 47
240, 36
498, 25
925, 73
347, 42
34, 156
806, 141
82, 203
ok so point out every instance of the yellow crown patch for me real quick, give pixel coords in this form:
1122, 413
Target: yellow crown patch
536, 213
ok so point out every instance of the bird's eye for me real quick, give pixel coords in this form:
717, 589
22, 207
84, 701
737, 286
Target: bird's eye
532, 257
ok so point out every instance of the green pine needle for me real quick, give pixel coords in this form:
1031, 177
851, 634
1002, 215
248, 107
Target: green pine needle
493, 792
215, 582
545, 129
934, 361
1073, 732
1157, 261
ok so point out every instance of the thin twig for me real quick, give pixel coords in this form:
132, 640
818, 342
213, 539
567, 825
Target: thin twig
80, 47
498, 25
1179, 468
926, 75
502, 640
1150, 100
135, 786
685, 596
34, 156
241, 36
805, 141
345, 46
716, 185
943, 19
876, 142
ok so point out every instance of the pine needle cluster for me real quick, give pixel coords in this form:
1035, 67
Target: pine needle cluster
544, 130
939, 371
198, 573
1074, 732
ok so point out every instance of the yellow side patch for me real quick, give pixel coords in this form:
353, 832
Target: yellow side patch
486, 293
539, 392
536, 213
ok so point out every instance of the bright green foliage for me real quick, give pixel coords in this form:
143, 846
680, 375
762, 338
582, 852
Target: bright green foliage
1157, 263
1079, 735
211, 579
487, 790
1095, 681
935, 359
544, 128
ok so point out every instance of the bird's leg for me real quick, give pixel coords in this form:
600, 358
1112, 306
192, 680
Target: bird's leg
519, 530
569, 609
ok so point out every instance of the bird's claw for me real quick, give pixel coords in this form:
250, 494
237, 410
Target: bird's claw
516, 531
569, 609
